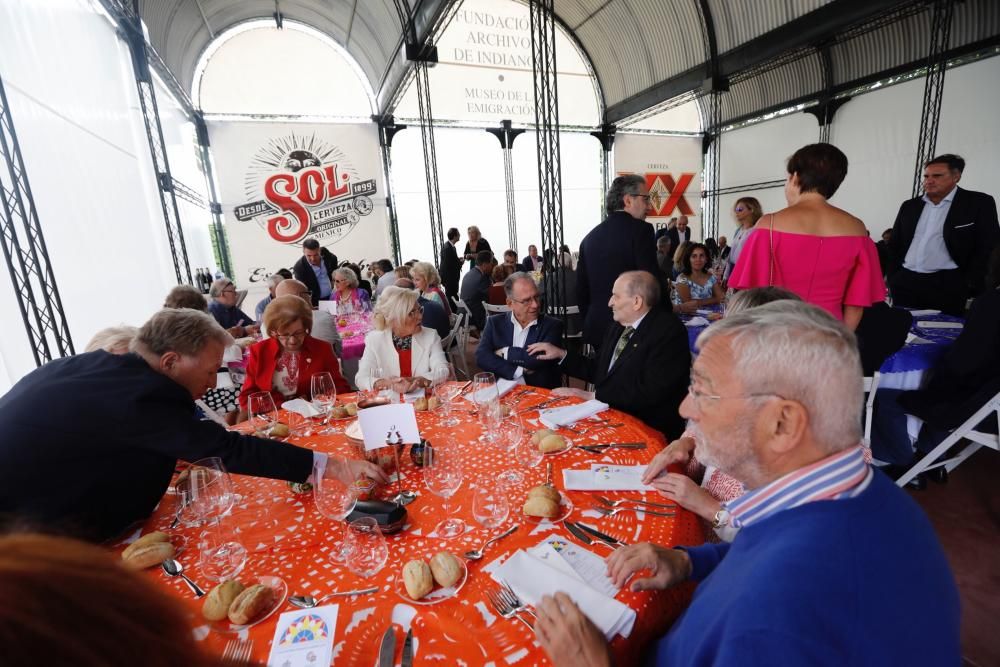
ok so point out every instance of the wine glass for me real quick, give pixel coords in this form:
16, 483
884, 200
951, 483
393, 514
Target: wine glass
335, 499
324, 397
446, 390
511, 434
487, 399
207, 496
527, 453
263, 413
366, 550
443, 475
489, 504
375, 373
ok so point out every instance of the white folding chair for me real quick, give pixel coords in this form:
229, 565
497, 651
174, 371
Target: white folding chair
871, 386
459, 334
967, 431
463, 309
493, 310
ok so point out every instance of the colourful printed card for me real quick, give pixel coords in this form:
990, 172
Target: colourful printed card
304, 638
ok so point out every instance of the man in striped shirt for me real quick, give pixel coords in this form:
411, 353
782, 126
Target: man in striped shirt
832, 565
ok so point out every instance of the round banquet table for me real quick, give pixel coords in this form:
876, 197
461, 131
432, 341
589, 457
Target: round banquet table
287, 537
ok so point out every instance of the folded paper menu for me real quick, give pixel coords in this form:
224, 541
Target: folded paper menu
603, 477
395, 423
301, 406
531, 578
503, 386
571, 414
568, 556
304, 637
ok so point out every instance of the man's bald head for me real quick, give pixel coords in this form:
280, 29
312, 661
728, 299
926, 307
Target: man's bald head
293, 288
643, 285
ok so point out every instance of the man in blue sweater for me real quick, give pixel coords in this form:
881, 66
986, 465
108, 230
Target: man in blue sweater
833, 565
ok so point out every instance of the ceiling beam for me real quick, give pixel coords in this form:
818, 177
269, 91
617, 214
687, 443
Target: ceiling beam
814, 28
423, 20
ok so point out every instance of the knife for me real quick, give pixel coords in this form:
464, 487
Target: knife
577, 533
387, 652
607, 539
407, 660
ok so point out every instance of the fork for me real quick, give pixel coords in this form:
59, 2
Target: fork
511, 598
611, 511
506, 610
238, 651
628, 501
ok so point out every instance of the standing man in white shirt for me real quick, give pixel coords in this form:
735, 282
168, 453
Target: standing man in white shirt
941, 241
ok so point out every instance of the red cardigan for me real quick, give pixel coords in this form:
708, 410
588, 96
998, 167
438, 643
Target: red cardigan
317, 356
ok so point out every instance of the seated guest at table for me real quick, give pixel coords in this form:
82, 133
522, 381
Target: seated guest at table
798, 586
959, 383
402, 272
101, 454
678, 266
363, 284
77, 605
881, 333
284, 362
347, 294
323, 325
112, 339
314, 268
223, 308
562, 295
502, 349
664, 258
409, 355
644, 360
185, 296
510, 259
433, 316
713, 250
696, 286
475, 287
532, 262
272, 282
383, 271
885, 252
496, 296
818, 251
428, 283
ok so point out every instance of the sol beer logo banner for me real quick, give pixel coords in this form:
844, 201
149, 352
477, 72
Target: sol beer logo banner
282, 183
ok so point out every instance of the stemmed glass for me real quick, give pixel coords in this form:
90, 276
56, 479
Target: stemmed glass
443, 475
527, 453
511, 435
375, 373
263, 413
489, 504
447, 390
367, 552
324, 397
335, 499
487, 400
207, 496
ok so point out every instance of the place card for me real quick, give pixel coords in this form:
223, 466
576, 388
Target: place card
328, 306
587, 566
604, 477
394, 424
304, 637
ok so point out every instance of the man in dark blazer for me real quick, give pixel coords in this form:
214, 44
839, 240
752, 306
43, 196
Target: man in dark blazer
644, 364
314, 269
679, 234
503, 346
451, 266
941, 241
90, 442
532, 262
476, 285
622, 242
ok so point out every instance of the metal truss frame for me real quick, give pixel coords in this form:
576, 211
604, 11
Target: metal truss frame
387, 129
24, 249
937, 65
712, 150
219, 241
506, 135
430, 157
606, 136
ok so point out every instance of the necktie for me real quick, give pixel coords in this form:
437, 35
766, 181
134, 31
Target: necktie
622, 343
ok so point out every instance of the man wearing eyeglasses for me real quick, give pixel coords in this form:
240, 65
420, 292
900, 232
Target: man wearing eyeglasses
623, 242
222, 305
503, 346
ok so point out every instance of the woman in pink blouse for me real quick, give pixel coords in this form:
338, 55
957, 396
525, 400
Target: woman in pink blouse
816, 250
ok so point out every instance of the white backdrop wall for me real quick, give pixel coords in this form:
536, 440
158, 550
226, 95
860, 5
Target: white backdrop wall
74, 103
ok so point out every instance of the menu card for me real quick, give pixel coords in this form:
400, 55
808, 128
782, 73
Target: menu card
605, 477
562, 553
304, 637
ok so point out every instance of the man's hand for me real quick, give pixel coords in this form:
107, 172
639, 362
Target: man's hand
569, 637
667, 566
546, 351
349, 470
683, 490
501, 352
678, 451
251, 329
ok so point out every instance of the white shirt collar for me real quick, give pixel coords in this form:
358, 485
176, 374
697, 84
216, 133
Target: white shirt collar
517, 325
635, 325
947, 198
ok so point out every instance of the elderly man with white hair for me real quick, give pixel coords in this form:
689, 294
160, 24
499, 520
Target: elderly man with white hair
833, 564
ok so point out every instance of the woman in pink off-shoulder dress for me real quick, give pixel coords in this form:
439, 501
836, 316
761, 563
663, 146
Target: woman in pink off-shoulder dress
816, 250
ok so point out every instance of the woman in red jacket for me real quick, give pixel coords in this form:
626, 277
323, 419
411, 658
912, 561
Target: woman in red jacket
284, 363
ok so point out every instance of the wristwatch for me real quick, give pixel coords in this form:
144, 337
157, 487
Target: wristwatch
721, 519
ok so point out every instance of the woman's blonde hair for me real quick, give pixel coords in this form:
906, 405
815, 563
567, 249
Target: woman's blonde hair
393, 306
679, 254
115, 340
426, 271
284, 310
402, 271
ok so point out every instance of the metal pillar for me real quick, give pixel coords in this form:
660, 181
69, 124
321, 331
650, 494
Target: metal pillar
24, 249
219, 242
543, 65
505, 135
132, 25
607, 138
937, 63
430, 154
711, 148
387, 129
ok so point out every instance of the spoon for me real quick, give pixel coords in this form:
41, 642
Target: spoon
308, 601
173, 568
478, 553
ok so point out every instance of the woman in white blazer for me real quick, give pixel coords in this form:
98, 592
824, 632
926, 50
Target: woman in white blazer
409, 356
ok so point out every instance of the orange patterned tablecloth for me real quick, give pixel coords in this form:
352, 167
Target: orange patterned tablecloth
287, 537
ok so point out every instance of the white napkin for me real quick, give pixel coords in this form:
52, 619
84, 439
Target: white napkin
570, 414
602, 477
697, 322
300, 406
926, 324
925, 313
531, 579
503, 386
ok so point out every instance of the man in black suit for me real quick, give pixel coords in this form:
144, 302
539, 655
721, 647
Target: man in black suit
623, 242
90, 442
941, 242
451, 267
476, 285
644, 363
532, 262
314, 269
679, 234
503, 346
724, 248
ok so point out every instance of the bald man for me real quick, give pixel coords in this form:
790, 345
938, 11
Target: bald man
323, 328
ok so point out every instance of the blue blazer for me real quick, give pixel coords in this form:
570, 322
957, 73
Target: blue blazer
499, 333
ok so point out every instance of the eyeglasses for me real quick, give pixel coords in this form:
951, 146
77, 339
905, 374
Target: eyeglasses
416, 311
646, 197
297, 335
739, 209
699, 397
531, 299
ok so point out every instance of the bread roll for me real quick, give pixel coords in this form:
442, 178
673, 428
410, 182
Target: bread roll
541, 507
352, 409
537, 437
433, 403
552, 443
545, 491
149, 538
446, 569
219, 599
339, 412
420, 405
280, 431
250, 604
148, 555
417, 579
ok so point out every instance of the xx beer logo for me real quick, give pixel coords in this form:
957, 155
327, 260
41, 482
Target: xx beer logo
303, 186
665, 194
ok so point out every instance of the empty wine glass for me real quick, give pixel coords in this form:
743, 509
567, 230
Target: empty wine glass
335, 499
263, 413
446, 390
375, 373
487, 400
489, 504
366, 550
207, 496
443, 475
511, 434
527, 453
324, 396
